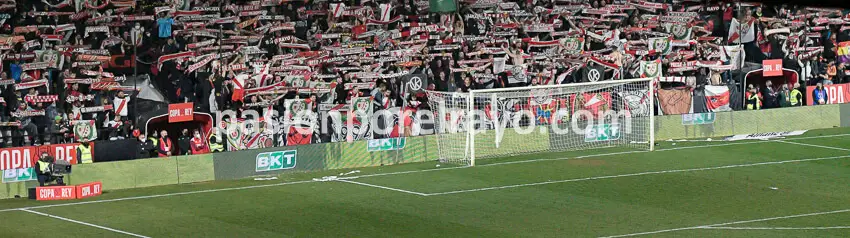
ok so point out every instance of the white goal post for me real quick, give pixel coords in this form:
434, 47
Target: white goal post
507, 122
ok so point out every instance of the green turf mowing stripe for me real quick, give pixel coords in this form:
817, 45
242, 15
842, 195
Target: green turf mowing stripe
729, 223
636, 174
85, 223
812, 145
25, 224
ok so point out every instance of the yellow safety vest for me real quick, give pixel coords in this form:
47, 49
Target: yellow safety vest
756, 105
43, 166
793, 99
216, 147
85, 155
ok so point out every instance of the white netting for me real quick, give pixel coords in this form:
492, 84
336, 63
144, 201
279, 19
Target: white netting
520, 121
450, 125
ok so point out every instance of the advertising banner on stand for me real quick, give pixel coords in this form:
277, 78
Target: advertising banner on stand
25, 157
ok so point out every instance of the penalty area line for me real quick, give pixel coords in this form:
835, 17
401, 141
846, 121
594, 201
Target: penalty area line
774, 228
638, 174
84, 223
729, 223
383, 187
590, 156
156, 196
813, 145
752, 142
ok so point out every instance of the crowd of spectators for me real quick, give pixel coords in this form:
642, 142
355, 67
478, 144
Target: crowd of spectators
64, 60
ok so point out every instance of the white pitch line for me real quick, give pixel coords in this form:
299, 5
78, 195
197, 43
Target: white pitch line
379, 174
587, 156
155, 196
614, 153
812, 145
752, 142
563, 158
85, 223
637, 174
401, 172
383, 187
775, 228
715, 145
729, 223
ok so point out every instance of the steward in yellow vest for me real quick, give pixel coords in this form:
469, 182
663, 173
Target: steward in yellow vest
84, 155
796, 98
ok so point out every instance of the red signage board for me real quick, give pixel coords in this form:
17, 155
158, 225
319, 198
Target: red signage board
89, 190
25, 157
835, 94
772, 67
55, 193
180, 112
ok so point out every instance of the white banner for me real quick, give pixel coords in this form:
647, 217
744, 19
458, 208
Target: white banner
764, 136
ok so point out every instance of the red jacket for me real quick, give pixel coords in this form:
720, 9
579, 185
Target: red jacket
198, 146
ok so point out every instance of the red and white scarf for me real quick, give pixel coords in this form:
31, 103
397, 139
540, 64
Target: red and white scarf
41, 98
181, 55
33, 84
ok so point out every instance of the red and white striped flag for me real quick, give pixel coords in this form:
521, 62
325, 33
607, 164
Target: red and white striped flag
120, 105
448, 20
385, 12
337, 9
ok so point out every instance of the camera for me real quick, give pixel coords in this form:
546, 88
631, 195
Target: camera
60, 168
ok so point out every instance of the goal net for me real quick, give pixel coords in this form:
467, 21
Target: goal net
516, 121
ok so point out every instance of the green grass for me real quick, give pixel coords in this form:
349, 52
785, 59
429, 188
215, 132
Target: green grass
585, 195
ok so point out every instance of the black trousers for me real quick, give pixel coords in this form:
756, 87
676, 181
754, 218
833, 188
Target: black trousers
44, 179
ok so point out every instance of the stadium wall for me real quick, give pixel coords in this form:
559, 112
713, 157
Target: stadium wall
131, 174
10, 190
325, 156
749, 122
237, 165
145, 172
844, 114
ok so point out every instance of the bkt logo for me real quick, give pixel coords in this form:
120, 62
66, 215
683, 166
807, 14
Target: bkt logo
18, 175
277, 160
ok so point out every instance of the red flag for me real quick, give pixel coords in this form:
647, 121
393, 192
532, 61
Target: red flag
717, 98
299, 136
357, 30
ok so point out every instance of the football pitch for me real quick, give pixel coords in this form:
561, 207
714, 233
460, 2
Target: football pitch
789, 187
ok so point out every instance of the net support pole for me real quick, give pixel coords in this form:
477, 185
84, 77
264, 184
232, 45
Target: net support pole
652, 113
470, 120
